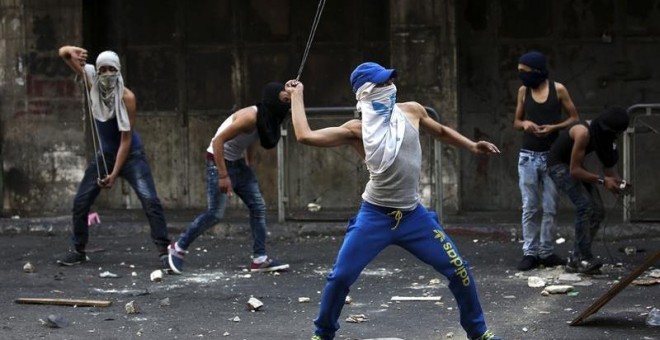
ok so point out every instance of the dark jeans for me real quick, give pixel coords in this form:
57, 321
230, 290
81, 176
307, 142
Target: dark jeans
138, 174
589, 211
245, 185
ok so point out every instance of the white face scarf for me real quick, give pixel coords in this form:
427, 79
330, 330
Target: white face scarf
107, 93
383, 125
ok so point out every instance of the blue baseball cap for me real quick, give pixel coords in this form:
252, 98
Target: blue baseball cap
370, 72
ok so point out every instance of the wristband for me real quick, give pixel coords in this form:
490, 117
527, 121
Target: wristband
601, 180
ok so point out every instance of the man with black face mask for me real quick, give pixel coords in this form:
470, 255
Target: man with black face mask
228, 170
539, 115
565, 166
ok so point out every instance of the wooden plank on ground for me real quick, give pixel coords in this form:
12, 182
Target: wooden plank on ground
605, 298
64, 302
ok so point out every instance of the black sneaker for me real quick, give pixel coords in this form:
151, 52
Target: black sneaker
528, 262
73, 258
583, 266
552, 261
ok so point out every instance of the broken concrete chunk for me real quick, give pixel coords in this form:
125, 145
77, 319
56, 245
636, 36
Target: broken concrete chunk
164, 302
567, 277
303, 299
28, 268
557, 289
535, 282
348, 300
357, 318
585, 283
54, 321
254, 304
235, 319
106, 274
156, 276
646, 282
131, 308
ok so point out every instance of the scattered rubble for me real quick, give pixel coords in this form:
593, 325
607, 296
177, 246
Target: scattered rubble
569, 277
54, 321
535, 282
28, 268
556, 289
254, 304
303, 299
357, 318
653, 319
106, 274
131, 308
646, 281
156, 276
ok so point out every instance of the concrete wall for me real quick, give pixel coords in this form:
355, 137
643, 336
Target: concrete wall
42, 132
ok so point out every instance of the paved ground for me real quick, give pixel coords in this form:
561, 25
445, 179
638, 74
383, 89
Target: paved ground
209, 301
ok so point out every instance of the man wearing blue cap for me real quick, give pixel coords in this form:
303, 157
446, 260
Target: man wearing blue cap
539, 115
387, 138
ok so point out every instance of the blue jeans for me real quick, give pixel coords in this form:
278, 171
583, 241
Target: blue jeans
138, 174
245, 185
589, 211
418, 232
538, 191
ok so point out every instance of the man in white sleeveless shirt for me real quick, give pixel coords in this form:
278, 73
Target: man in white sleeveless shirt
228, 171
391, 213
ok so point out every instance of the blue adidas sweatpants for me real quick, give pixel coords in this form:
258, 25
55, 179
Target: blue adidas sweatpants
419, 232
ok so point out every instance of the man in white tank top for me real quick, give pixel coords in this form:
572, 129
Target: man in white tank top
405, 222
228, 172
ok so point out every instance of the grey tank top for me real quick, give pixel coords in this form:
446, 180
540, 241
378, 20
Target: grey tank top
234, 149
398, 186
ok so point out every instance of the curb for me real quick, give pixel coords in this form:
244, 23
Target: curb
238, 227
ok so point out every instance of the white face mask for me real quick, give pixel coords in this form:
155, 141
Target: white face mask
382, 99
107, 84
108, 81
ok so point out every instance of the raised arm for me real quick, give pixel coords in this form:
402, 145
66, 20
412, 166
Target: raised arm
349, 133
76, 58
446, 134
